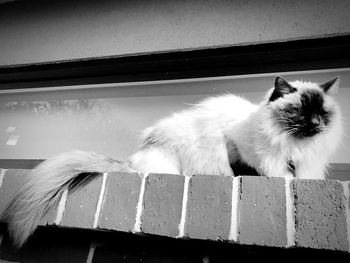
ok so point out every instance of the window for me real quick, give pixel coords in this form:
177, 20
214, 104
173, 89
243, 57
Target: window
45, 114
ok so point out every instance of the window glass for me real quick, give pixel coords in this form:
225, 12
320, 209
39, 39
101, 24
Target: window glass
39, 123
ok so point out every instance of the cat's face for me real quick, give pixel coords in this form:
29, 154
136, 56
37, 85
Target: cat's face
303, 110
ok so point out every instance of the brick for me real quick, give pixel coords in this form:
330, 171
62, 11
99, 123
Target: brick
209, 207
12, 181
120, 201
262, 211
320, 215
50, 217
81, 205
162, 204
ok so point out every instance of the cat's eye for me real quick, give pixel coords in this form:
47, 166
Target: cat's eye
298, 110
323, 112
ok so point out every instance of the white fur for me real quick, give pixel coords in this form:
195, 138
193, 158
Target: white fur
201, 140
195, 141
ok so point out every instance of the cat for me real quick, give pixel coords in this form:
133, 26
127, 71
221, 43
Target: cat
291, 133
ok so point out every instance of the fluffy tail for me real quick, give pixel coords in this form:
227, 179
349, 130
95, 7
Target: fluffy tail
46, 183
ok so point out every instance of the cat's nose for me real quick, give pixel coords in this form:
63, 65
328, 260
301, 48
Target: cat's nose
315, 120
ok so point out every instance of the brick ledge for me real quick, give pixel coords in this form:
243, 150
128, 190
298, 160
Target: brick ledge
246, 210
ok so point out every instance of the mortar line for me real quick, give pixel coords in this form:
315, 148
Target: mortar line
346, 190
100, 200
2, 176
61, 207
206, 259
139, 207
234, 209
184, 207
91, 252
290, 220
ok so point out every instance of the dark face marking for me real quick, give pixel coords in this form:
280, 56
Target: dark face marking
305, 119
282, 87
328, 85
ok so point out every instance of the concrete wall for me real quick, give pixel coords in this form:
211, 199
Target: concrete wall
41, 31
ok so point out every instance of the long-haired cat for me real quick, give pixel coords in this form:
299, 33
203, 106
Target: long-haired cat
292, 132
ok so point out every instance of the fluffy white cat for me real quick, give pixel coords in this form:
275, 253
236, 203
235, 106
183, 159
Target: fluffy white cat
292, 132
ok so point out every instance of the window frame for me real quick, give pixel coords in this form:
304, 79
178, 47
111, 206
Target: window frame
297, 55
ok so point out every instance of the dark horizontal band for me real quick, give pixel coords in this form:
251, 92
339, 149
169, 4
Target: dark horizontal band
311, 54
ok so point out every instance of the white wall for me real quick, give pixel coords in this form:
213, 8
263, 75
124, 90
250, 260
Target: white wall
41, 31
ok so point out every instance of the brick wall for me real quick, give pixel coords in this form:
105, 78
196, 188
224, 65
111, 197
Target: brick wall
247, 210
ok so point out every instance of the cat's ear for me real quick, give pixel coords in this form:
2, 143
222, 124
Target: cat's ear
282, 87
331, 87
